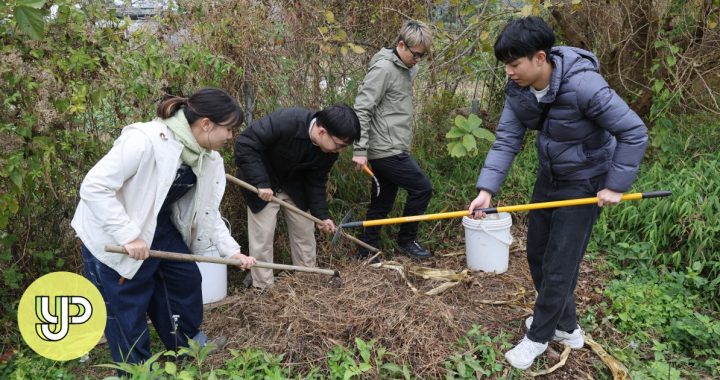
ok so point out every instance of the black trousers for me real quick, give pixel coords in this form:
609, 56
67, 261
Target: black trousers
556, 243
399, 171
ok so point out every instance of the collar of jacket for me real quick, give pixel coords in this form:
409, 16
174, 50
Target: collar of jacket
394, 58
304, 133
558, 73
524, 93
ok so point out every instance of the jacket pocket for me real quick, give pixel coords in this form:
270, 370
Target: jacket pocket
595, 155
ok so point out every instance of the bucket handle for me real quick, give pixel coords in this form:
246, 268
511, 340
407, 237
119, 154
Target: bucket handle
504, 241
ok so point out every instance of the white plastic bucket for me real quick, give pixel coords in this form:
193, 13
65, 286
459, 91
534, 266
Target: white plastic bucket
487, 242
214, 278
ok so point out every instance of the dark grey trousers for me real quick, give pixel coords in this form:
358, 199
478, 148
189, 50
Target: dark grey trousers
556, 243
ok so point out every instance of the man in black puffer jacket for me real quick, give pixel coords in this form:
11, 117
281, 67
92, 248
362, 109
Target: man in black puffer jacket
289, 154
589, 143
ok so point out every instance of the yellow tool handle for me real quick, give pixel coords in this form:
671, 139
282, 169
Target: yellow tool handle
409, 219
493, 210
565, 203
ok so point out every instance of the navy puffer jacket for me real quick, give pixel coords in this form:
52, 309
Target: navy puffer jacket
589, 130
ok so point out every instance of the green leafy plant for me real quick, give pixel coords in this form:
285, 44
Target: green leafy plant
665, 97
187, 363
479, 355
465, 134
366, 358
150, 369
342, 364
657, 370
28, 16
255, 364
25, 364
660, 316
679, 232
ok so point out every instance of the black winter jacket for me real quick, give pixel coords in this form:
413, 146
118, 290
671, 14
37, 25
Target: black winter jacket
276, 152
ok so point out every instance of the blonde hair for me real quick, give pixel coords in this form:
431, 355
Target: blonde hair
415, 33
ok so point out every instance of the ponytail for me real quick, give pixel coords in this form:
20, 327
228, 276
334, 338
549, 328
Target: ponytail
169, 105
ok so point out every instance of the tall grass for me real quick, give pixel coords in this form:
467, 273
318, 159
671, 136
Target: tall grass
680, 233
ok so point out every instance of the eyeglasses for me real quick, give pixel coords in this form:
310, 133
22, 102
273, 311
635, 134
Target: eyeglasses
417, 55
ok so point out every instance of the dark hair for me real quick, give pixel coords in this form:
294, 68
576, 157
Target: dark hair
212, 103
524, 37
340, 121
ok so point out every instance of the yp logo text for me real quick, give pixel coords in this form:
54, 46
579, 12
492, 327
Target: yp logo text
61, 316
55, 327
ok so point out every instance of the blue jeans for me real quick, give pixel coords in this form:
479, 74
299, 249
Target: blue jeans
160, 289
556, 243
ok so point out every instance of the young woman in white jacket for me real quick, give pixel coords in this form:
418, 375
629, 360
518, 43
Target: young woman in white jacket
159, 187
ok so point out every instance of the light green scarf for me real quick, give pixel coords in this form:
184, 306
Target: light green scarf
192, 154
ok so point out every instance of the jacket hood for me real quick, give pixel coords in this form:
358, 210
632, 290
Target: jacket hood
568, 61
386, 54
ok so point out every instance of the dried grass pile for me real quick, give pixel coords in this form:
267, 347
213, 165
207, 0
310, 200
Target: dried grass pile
303, 316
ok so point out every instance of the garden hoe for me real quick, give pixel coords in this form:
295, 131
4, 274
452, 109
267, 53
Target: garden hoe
494, 210
337, 234
303, 213
221, 260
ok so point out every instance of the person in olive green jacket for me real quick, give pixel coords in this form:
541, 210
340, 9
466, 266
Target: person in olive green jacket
384, 107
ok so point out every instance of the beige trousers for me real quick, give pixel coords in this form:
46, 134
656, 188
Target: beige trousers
261, 233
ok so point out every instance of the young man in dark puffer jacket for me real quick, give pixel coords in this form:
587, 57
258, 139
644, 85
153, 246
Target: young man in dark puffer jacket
589, 143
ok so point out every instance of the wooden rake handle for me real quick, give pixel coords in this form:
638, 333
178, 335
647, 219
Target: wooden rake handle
294, 209
221, 260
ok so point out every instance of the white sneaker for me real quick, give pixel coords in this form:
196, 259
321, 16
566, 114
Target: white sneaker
576, 339
523, 355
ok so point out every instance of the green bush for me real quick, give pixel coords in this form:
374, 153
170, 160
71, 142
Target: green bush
660, 315
680, 231
26, 365
67, 92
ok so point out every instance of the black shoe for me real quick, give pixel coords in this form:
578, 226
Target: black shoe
414, 250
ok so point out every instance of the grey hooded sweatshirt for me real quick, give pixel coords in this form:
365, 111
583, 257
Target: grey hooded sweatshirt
589, 130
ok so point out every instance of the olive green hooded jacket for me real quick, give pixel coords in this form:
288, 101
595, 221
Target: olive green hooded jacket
384, 107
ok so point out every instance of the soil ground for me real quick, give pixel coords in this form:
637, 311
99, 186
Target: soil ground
304, 315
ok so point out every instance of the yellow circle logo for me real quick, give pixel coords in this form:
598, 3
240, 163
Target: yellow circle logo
62, 316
